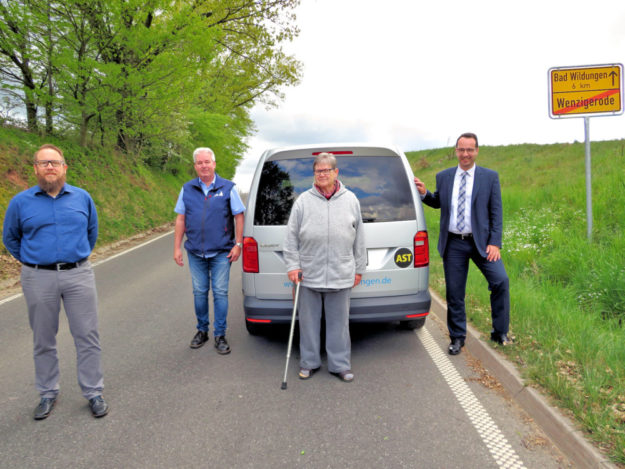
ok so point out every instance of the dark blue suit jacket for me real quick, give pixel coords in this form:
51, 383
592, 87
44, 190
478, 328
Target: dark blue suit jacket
486, 207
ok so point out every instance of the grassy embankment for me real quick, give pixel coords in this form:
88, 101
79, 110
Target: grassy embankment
567, 294
130, 197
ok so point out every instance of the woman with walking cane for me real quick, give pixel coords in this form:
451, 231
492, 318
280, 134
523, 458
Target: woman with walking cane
325, 243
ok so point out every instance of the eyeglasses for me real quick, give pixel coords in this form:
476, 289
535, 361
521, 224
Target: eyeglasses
465, 150
324, 171
54, 163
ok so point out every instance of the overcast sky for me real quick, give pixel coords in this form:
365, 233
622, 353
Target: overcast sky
419, 73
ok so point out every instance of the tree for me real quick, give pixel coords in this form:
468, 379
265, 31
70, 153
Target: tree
251, 67
20, 64
154, 77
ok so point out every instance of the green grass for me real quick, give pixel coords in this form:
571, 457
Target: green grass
567, 294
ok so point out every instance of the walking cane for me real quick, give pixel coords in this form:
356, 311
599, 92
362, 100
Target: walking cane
288, 350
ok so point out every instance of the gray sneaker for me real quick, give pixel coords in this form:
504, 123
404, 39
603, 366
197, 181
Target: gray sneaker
305, 373
346, 376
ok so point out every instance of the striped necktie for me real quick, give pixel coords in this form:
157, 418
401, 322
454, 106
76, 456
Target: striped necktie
461, 198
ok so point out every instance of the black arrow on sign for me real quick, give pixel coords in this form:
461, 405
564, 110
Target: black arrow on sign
613, 74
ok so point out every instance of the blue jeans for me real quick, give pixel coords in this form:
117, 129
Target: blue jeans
207, 272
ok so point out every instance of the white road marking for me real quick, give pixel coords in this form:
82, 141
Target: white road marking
19, 295
10, 298
131, 249
495, 441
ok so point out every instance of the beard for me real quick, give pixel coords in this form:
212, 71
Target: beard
51, 186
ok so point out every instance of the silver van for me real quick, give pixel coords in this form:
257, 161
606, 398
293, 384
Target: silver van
395, 284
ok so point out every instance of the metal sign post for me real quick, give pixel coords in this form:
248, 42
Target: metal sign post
586, 91
588, 179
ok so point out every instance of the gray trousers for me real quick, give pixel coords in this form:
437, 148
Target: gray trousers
338, 342
43, 291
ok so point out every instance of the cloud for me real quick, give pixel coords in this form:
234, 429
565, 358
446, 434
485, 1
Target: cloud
286, 129
417, 74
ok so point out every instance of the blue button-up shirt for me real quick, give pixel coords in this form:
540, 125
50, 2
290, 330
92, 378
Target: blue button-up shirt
39, 229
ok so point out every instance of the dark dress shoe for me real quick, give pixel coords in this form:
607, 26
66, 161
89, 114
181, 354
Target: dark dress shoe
501, 339
199, 339
222, 345
455, 346
99, 407
44, 408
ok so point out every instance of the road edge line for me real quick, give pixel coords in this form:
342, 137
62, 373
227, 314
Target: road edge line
559, 428
97, 263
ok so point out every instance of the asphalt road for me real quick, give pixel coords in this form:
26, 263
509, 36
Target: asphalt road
411, 405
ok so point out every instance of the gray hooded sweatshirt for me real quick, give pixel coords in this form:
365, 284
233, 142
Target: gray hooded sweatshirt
325, 239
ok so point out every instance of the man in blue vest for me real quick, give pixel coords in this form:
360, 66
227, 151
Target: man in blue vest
210, 213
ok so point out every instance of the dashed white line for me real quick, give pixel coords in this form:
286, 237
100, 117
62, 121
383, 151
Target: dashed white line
495, 441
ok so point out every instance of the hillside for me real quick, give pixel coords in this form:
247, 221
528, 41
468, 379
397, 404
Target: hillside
130, 197
567, 294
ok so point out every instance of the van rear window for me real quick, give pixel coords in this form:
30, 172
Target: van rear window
379, 182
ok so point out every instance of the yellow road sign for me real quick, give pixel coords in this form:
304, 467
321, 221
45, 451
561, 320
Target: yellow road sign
585, 90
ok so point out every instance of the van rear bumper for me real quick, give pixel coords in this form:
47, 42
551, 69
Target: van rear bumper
371, 309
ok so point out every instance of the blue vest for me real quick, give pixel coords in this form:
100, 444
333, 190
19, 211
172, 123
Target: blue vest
209, 224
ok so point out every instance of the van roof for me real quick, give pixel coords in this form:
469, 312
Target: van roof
363, 149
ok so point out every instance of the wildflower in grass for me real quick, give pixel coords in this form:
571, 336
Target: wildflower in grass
530, 230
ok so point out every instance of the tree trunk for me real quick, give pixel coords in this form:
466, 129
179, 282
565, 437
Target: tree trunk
50, 96
31, 111
84, 127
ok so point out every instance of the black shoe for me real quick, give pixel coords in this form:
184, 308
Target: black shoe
455, 346
99, 407
44, 408
501, 339
199, 339
222, 345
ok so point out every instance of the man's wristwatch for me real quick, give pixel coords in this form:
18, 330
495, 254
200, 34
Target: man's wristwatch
240, 245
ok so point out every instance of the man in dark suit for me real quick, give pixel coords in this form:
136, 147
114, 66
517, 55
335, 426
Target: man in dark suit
471, 226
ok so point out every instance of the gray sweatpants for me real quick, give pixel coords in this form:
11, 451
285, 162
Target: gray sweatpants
43, 291
338, 342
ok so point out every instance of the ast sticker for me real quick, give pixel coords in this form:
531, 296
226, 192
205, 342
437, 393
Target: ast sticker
403, 257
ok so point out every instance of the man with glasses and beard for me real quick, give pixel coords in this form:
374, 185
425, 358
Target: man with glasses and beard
51, 229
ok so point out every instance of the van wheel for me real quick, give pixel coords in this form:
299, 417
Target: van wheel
254, 329
413, 324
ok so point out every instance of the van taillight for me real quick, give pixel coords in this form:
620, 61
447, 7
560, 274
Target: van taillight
421, 249
250, 255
